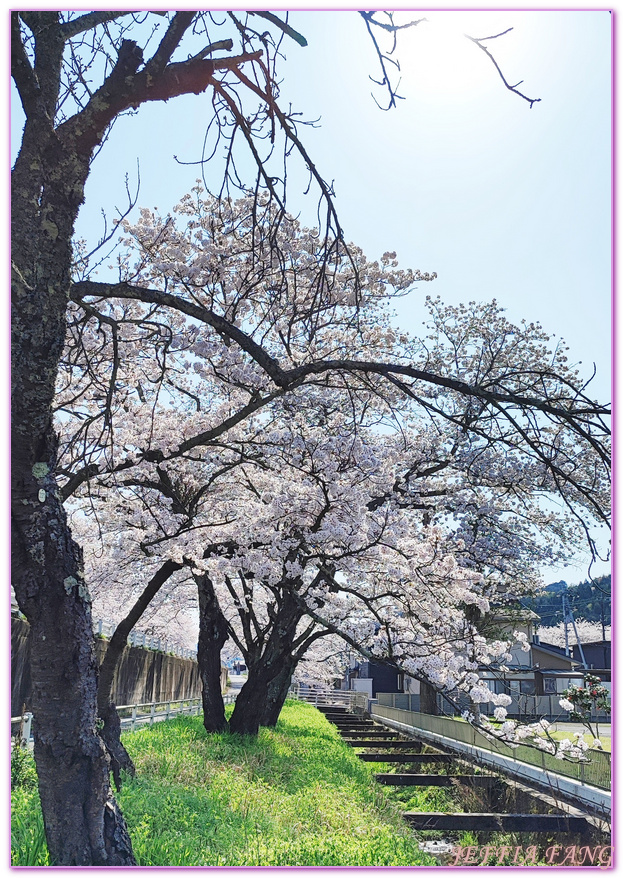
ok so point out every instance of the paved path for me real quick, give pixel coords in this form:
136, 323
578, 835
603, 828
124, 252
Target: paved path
236, 682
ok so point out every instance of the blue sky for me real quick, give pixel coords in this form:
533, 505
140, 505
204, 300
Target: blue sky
462, 178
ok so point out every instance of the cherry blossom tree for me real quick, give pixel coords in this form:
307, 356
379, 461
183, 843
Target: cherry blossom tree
323, 516
185, 414
589, 632
75, 74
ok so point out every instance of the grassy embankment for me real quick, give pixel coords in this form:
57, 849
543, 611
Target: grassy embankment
295, 796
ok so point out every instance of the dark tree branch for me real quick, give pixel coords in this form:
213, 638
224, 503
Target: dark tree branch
89, 21
21, 69
283, 26
125, 88
220, 324
219, 46
513, 88
169, 43
383, 57
575, 414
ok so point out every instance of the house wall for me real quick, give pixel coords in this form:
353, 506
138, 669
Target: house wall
598, 657
547, 659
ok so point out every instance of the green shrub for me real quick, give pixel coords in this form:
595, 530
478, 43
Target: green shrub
23, 771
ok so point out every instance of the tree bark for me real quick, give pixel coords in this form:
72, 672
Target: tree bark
260, 695
83, 824
107, 711
213, 631
277, 693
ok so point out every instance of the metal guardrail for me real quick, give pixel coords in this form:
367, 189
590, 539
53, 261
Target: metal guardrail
152, 712
525, 707
345, 697
132, 716
597, 772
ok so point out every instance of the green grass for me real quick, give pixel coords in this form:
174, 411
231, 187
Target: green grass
606, 740
295, 796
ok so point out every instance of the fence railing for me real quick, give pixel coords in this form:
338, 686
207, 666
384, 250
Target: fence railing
597, 772
526, 707
106, 628
132, 716
317, 696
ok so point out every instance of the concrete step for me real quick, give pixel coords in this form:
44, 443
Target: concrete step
380, 744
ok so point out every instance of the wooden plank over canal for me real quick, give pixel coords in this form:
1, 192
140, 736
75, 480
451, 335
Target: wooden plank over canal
547, 823
411, 779
405, 757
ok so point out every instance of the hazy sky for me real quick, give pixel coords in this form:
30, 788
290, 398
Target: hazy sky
462, 178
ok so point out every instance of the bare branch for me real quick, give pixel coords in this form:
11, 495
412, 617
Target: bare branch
88, 22
384, 57
220, 45
125, 88
169, 43
513, 88
21, 69
283, 26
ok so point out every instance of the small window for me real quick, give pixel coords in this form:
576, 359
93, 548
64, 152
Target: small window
549, 686
526, 687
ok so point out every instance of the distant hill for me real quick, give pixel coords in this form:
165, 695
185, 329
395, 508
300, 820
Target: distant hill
557, 586
590, 601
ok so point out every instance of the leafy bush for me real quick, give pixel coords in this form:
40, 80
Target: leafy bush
23, 771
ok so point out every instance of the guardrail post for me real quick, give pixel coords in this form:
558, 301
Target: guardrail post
168, 711
152, 714
133, 726
26, 730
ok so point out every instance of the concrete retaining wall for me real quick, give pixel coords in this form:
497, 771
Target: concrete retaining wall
142, 675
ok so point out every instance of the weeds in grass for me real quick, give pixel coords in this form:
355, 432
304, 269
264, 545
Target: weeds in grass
294, 796
28, 846
23, 772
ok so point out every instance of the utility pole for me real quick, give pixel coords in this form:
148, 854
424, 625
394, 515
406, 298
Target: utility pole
567, 616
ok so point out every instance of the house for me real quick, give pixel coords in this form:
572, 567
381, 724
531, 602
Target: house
534, 679
598, 658
373, 677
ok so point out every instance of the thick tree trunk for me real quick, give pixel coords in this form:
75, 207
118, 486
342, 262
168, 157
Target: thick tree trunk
107, 711
251, 700
82, 822
266, 670
213, 631
277, 693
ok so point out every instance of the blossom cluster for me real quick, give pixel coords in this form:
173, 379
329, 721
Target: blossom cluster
393, 511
